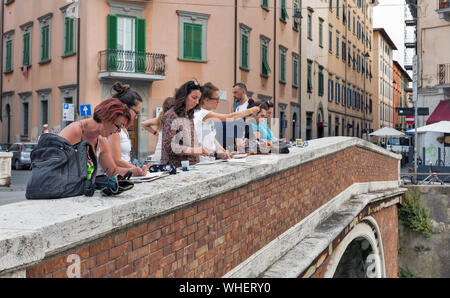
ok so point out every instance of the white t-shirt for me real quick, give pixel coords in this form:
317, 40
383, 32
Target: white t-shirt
157, 156
125, 146
205, 132
242, 107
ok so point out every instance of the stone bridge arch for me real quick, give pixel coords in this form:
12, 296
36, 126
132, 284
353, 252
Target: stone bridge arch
360, 254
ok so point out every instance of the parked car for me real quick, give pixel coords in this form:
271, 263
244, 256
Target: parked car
21, 154
4, 147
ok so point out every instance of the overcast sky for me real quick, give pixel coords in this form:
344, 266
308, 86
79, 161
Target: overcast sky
389, 14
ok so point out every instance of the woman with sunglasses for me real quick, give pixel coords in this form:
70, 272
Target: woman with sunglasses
120, 144
204, 119
110, 116
178, 135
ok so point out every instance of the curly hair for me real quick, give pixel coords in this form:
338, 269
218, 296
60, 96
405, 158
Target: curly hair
180, 98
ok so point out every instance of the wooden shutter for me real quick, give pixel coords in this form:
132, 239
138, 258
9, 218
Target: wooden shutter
140, 45
26, 49
45, 40
112, 43
8, 55
244, 53
192, 41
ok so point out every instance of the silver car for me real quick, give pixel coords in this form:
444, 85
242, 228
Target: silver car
21, 154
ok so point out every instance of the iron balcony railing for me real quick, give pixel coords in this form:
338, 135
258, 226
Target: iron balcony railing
443, 74
132, 62
442, 4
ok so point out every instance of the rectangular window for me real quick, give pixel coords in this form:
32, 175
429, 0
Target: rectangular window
344, 94
192, 41
265, 69
244, 51
349, 19
338, 89
321, 81
337, 45
283, 13
69, 26
296, 23
310, 26
282, 67
337, 9
265, 4
331, 5
26, 49
309, 87
344, 51
321, 32
45, 43
24, 119
9, 56
330, 40
294, 72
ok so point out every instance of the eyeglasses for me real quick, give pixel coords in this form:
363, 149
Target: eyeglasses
136, 112
214, 98
118, 127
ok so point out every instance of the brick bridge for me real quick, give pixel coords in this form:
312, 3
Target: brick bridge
326, 210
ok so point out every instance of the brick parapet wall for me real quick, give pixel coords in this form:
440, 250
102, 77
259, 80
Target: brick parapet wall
210, 237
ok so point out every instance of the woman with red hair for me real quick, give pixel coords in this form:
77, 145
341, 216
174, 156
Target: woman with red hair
110, 116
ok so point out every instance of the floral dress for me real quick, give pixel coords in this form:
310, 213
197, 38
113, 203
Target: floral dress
178, 134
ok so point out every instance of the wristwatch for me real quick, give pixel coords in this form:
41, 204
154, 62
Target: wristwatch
215, 154
155, 132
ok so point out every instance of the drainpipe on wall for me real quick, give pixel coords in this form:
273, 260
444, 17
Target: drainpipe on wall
235, 41
274, 54
1, 62
78, 58
299, 75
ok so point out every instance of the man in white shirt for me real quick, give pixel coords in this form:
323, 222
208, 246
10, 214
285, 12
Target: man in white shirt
240, 104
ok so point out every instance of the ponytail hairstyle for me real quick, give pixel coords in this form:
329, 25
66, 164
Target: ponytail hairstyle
126, 94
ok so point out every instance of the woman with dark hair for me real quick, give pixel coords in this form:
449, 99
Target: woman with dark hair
204, 119
178, 134
157, 122
110, 116
120, 144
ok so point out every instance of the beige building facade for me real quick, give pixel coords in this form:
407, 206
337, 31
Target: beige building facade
433, 44
383, 48
350, 79
157, 46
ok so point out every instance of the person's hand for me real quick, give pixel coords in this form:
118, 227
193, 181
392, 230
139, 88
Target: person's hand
255, 110
207, 151
137, 171
224, 155
145, 168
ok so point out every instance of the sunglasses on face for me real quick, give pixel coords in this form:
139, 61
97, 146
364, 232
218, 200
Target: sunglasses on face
136, 112
193, 85
118, 127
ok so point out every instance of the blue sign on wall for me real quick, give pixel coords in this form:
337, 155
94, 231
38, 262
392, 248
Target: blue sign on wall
85, 110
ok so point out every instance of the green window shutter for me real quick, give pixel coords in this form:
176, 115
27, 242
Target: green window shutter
192, 41
8, 66
112, 43
265, 65
26, 49
244, 53
295, 71
140, 45
69, 31
45, 43
283, 68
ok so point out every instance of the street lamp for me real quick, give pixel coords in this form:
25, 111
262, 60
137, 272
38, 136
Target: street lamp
298, 19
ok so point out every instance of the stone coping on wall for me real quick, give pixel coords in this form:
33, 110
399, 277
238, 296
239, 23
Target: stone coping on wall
33, 230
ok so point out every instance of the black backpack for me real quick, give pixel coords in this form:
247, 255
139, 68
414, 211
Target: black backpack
59, 169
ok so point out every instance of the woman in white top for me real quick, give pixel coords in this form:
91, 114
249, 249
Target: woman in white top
157, 122
120, 144
204, 119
